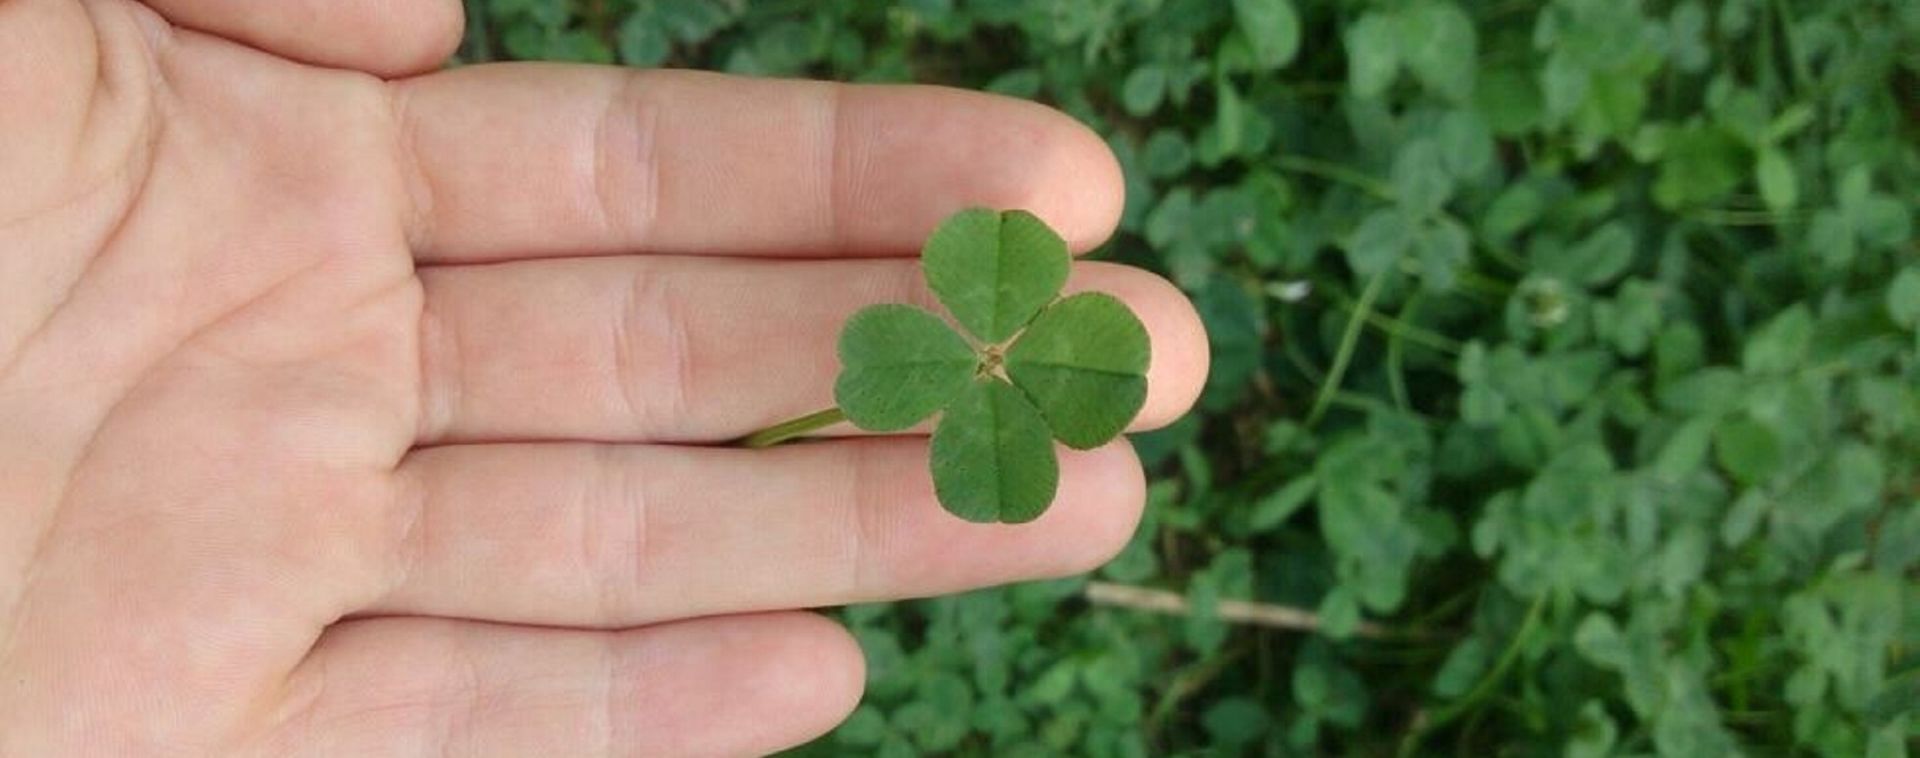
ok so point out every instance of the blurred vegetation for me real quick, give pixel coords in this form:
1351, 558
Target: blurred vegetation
1573, 343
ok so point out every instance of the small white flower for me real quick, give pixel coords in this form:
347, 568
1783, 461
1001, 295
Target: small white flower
1290, 292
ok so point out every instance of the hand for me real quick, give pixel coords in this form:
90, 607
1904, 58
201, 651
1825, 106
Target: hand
348, 415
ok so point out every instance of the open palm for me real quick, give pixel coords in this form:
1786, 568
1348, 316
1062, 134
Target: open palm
347, 409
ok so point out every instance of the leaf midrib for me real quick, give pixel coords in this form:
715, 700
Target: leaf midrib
999, 455
999, 282
898, 364
1089, 369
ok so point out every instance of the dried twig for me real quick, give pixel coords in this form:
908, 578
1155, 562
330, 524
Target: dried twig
1236, 611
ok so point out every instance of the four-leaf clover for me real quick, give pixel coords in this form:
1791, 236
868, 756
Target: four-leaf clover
1029, 368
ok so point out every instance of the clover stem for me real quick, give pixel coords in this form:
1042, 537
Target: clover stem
799, 427
1362, 310
1436, 719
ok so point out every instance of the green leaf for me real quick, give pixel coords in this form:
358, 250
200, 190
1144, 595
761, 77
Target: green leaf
1509, 100
1373, 56
1598, 639
1883, 221
1744, 517
1462, 667
1781, 343
1438, 43
1685, 450
1235, 339
865, 728
994, 271
1166, 154
1631, 319
1891, 739
1681, 560
1442, 248
1233, 722
1903, 298
1083, 362
930, 727
1686, 36
1312, 685
1143, 90
693, 21
1514, 211
1272, 28
993, 459
1790, 123
1898, 545
1856, 187
899, 364
1172, 219
557, 44
1466, 144
1701, 163
542, 12
1274, 510
1421, 181
1741, 111
1024, 83
1875, 217
642, 41
1339, 613
1594, 733
1379, 242
1366, 523
1564, 84
1603, 255
1830, 238
1778, 185
1748, 449
1613, 109
1229, 120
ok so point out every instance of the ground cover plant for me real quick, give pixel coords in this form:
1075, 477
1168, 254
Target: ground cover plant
1565, 364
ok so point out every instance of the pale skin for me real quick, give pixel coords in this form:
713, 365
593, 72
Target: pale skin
350, 408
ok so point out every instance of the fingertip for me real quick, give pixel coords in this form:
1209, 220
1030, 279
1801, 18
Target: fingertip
395, 39
1104, 494
845, 668
422, 36
1079, 189
813, 670
926, 152
1179, 356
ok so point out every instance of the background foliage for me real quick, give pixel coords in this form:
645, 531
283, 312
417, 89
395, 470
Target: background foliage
1571, 341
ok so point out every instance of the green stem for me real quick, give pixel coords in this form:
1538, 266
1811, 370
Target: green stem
1290, 349
1485, 687
1506, 258
1314, 89
1396, 349
1362, 403
1189, 681
1335, 172
1348, 340
1423, 337
1477, 281
1737, 217
787, 430
1396, 328
1795, 64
